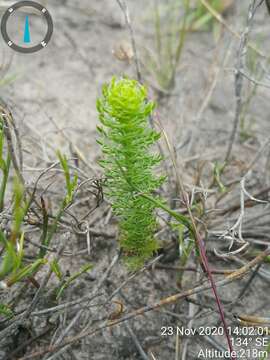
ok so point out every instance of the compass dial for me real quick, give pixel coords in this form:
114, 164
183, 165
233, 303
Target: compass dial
27, 27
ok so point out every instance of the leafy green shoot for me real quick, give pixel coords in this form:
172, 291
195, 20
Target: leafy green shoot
4, 165
126, 139
71, 184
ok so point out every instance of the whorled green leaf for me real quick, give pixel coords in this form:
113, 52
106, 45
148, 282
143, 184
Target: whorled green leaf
126, 139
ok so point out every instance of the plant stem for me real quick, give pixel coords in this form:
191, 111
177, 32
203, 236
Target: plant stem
4, 182
181, 42
206, 267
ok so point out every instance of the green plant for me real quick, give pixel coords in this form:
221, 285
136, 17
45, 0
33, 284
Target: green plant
172, 22
66, 282
126, 139
49, 230
12, 269
4, 165
6, 311
128, 164
201, 19
256, 72
169, 43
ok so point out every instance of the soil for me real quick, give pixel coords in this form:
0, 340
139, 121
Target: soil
52, 96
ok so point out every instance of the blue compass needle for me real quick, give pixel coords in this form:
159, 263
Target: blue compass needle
27, 37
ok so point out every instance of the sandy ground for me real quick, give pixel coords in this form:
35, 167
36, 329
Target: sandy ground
61, 83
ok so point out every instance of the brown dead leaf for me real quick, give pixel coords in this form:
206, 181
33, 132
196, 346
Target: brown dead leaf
123, 51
